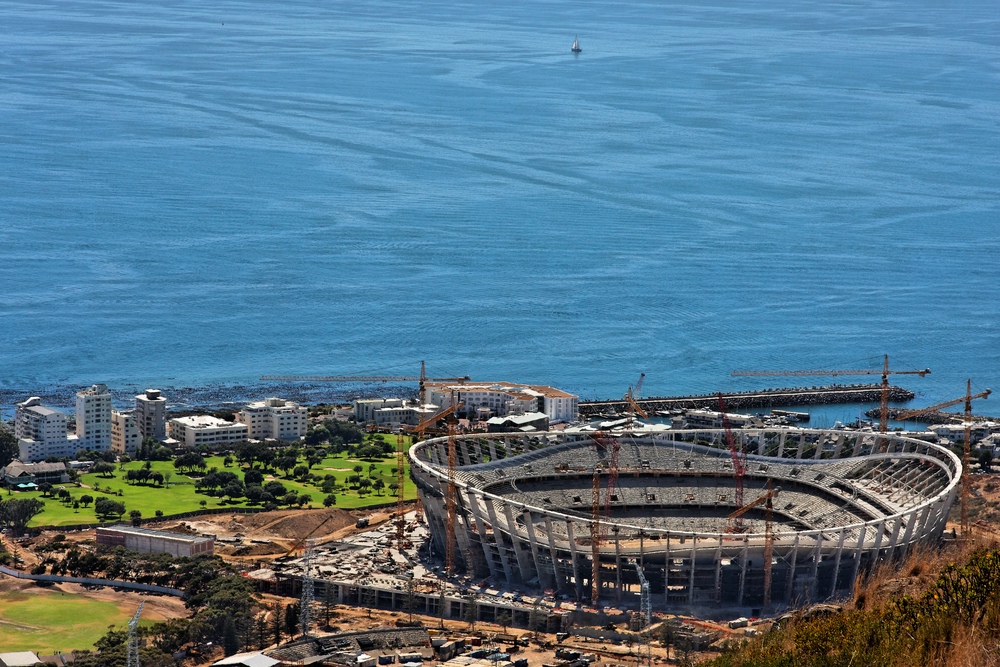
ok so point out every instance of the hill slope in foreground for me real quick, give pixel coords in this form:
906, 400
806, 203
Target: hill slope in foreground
941, 609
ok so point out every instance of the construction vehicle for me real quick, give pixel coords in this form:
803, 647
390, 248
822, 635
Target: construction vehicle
966, 447
884, 372
765, 499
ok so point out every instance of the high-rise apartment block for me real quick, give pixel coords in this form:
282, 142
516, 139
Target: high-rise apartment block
93, 418
151, 415
274, 419
125, 436
41, 432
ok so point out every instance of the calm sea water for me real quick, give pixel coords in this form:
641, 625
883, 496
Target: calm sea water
197, 193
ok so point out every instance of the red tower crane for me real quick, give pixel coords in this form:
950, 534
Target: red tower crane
739, 459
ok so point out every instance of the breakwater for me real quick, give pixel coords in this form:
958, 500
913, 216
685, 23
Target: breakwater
934, 417
764, 398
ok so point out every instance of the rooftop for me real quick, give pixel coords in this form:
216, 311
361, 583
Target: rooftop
162, 534
204, 421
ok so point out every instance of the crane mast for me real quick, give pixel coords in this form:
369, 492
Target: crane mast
739, 459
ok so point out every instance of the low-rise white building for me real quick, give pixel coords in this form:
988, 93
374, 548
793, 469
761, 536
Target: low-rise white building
206, 430
504, 398
955, 432
125, 435
274, 419
41, 432
391, 412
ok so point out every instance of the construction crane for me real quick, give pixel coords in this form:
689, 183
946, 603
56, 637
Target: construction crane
646, 614
451, 497
400, 480
633, 406
301, 542
132, 656
885, 373
364, 379
966, 447
739, 459
765, 499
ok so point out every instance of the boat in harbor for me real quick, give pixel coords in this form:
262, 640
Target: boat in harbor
576, 45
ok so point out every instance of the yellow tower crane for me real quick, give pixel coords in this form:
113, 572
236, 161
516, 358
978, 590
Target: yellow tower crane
884, 372
966, 448
766, 499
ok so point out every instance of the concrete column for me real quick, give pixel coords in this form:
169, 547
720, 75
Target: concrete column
894, 538
857, 552
498, 536
718, 571
479, 450
540, 572
666, 570
481, 529
781, 445
493, 449
554, 555
836, 562
817, 557
802, 444
905, 542
618, 566
576, 560
694, 554
743, 568
790, 584
515, 540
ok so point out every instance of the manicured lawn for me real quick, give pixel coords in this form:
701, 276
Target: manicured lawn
49, 620
180, 495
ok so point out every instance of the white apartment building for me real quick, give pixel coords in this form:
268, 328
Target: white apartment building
93, 418
274, 419
151, 415
505, 398
206, 430
41, 432
391, 412
364, 409
125, 435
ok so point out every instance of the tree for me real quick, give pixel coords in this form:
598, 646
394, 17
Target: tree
504, 620
536, 619
230, 644
253, 477
378, 485
471, 610
275, 488
290, 499
159, 514
8, 447
300, 471
411, 597
15, 514
86, 499
285, 463
233, 490
277, 622
330, 500
986, 459
190, 461
104, 468
136, 517
304, 500
105, 508
292, 613
45, 488
329, 602
227, 461
358, 469
156, 477
255, 494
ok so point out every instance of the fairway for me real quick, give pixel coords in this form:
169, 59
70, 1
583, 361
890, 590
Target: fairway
180, 495
46, 620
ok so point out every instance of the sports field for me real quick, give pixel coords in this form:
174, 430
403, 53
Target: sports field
46, 620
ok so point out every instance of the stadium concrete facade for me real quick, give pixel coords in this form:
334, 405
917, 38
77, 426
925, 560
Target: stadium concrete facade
847, 501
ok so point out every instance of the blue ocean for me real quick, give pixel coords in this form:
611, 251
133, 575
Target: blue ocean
200, 193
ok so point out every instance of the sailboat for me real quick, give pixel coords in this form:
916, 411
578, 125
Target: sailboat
576, 46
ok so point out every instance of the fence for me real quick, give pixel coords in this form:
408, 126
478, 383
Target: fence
148, 588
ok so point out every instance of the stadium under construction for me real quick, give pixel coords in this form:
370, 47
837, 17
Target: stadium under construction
757, 518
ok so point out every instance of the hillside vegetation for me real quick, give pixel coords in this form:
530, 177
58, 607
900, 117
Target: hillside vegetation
941, 609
